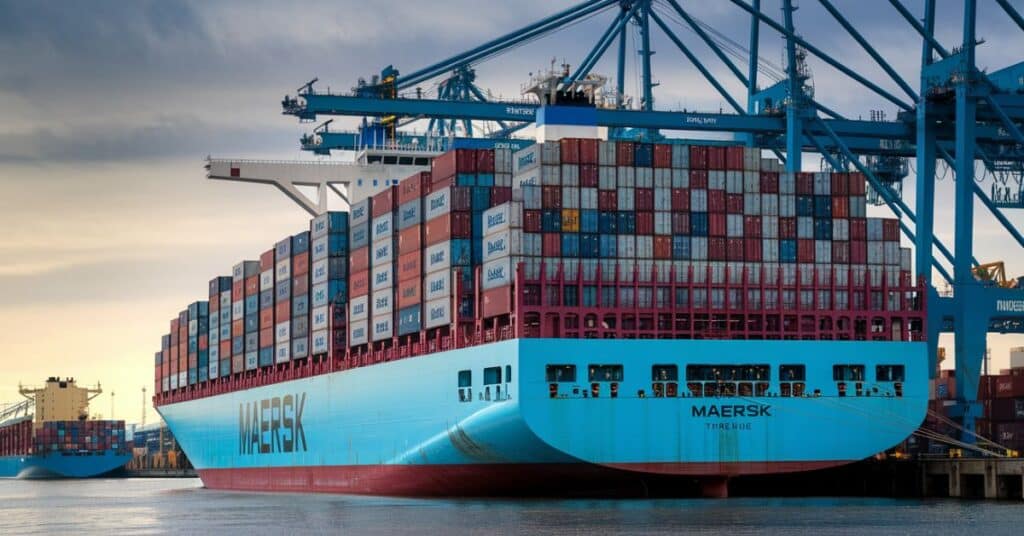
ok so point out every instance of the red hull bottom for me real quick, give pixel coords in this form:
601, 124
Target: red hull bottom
497, 479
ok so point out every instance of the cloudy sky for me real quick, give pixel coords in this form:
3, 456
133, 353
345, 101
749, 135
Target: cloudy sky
108, 107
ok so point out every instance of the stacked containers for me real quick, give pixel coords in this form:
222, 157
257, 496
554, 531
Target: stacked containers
218, 285
283, 301
265, 357
244, 315
183, 349
300, 296
359, 273
382, 265
409, 290
447, 251
329, 279
77, 436
505, 245
198, 349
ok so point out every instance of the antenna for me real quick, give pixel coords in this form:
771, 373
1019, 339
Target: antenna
143, 406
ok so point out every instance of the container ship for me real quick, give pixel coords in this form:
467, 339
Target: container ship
50, 435
578, 315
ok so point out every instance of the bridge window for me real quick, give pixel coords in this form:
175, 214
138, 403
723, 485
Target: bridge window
848, 373
492, 375
606, 373
465, 386
889, 373
665, 380
508, 373
791, 380
561, 373
359, 182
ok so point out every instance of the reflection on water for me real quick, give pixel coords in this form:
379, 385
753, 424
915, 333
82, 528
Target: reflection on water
154, 506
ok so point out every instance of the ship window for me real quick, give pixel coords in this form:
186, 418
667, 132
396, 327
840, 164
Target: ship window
889, 373
508, 373
492, 375
561, 373
465, 378
854, 373
696, 389
606, 373
792, 373
664, 373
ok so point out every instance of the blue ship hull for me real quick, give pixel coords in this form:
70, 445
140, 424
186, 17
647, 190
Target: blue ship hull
408, 428
61, 466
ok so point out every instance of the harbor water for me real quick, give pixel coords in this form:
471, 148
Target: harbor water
183, 506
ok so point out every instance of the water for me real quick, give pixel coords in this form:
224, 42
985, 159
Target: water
156, 506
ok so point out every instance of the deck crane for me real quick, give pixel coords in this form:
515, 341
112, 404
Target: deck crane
958, 115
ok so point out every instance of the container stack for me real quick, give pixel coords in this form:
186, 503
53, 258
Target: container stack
81, 436
244, 315
163, 370
300, 296
283, 301
265, 354
218, 285
409, 293
198, 349
383, 240
224, 338
16, 438
359, 273
182, 349
329, 279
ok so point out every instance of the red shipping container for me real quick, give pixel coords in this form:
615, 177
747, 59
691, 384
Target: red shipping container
437, 185
858, 184
410, 266
858, 229
283, 311
500, 194
237, 328
716, 158
497, 301
716, 249
662, 155
570, 149
716, 201
840, 184
413, 187
204, 342
589, 176
644, 223
717, 224
252, 286
624, 153
840, 206
805, 184
533, 221
300, 264
752, 249
588, 151
267, 337
734, 158
769, 182
733, 203
410, 292
786, 228
267, 318
452, 163
359, 260
858, 252
409, 239
300, 284
680, 199
752, 227
267, 260
805, 250
607, 200
448, 226
681, 223
841, 252
551, 244
237, 290
663, 247
890, 230
485, 161
385, 201
359, 284
698, 179
734, 249
193, 360
1010, 387
551, 197
698, 160
644, 199
225, 349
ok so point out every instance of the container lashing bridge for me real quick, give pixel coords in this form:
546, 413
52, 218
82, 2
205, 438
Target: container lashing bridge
957, 118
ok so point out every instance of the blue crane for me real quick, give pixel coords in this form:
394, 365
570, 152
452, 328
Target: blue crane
957, 115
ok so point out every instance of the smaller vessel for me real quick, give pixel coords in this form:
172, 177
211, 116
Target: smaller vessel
50, 435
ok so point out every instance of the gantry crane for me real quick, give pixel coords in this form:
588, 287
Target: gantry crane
958, 116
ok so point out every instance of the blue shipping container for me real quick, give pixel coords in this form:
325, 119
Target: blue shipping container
481, 198
643, 155
805, 206
266, 357
465, 179
252, 323
822, 206
699, 223
252, 304
300, 243
607, 222
485, 179
681, 248
823, 229
609, 246
590, 246
570, 245
551, 221
787, 251
589, 221
626, 223
410, 320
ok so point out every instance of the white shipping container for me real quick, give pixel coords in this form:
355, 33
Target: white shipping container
382, 303
319, 272
644, 247
497, 273
608, 269
283, 331
681, 157
874, 229
606, 153
502, 160
663, 223
321, 342
359, 213
503, 180
570, 197
858, 207
551, 152
318, 248
437, 257
626, 199
284, 270
892, 253
787, 205
841, 274
383, 327
626, 177
383, 252
525, 159
437, 313
769, 227
570, 175
716, 180
606, 179
238, 310
876, 253
751, 182
805, 227
769, 250
319, 318
823, 252
531, 196
752, 159
644, 177
787, 183
698, 201
681, 178
437, 285
822, 183
662, 178
502, 217
627, 270
165, 384
527, 177
267, 280
318, 295
663, 199
752, 204
193, 327
588, 198
533, 245
734, 225
733, 182
358, 333
359, 308
770, 204
383, 227
213, 369
502, 244
383, 277
182, 379
551, 175
626, 246
906, 259
437, 204
699, 248
840, 229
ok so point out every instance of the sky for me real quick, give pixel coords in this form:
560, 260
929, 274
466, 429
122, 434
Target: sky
107, 109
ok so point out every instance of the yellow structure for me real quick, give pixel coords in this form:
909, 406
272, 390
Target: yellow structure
60, 400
